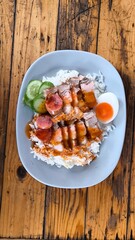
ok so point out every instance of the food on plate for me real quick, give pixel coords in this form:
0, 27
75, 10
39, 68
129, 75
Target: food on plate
67, 128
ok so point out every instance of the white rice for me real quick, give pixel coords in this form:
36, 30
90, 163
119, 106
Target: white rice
100, 87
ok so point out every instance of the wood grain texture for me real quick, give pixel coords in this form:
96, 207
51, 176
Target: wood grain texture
31, 28
6, 36
112, 197
65, 213
78, 25
22, 211
65, 209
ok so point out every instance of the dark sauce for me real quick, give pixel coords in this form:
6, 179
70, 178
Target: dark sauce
27, 130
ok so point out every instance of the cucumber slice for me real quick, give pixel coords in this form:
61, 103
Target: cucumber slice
32, 89
27, 102
38, 104
44, 86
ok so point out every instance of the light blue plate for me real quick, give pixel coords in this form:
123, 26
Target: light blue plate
102, 167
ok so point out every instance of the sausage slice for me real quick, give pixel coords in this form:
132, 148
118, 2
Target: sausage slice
54, 104
44, 122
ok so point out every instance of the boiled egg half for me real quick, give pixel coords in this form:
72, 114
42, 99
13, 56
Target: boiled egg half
107, 107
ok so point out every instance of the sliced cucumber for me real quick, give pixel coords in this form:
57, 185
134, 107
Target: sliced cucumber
44, 86
27, 101
38, 104
32, 89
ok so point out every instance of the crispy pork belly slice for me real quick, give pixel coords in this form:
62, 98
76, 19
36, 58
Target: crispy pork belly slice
58, 118
83, 105
80, 128
72, 143
56, 136
72, 132
50, 91
65, 136
91, 123
74, 81
77, 113
82, 140
64, 133
70, 115
55, 126
90, 118
74, 96
66, 96
67, 108
65, 93
94, 132
90, 99
86, 85
58, 147
63, 87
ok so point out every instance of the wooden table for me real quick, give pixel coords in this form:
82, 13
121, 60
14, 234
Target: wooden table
28, 209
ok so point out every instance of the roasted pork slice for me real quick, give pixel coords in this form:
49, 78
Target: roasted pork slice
54, 104
67, 108
64, 133
91, 124
66, 96
58, 147
68, 115
94, 132
74, 96
63, 87
90, 118
56, 136
81, 129
78, 114
58, 118
74, 81
55, 126
72, 131
65, 136
83, 105
86, 85
82, 140
72, 143
90, 99
50, 91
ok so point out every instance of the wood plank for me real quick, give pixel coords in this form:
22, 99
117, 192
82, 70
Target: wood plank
65, 209
22, 212
6, 36
131, 203
107, 211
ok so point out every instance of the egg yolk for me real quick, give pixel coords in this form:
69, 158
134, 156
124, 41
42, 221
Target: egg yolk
104, 111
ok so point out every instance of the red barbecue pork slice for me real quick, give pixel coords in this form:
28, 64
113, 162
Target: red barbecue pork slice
44, 134
54, 104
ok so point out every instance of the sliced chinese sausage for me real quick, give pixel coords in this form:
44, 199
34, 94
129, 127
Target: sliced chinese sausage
44, 122
44, 134
54, 104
